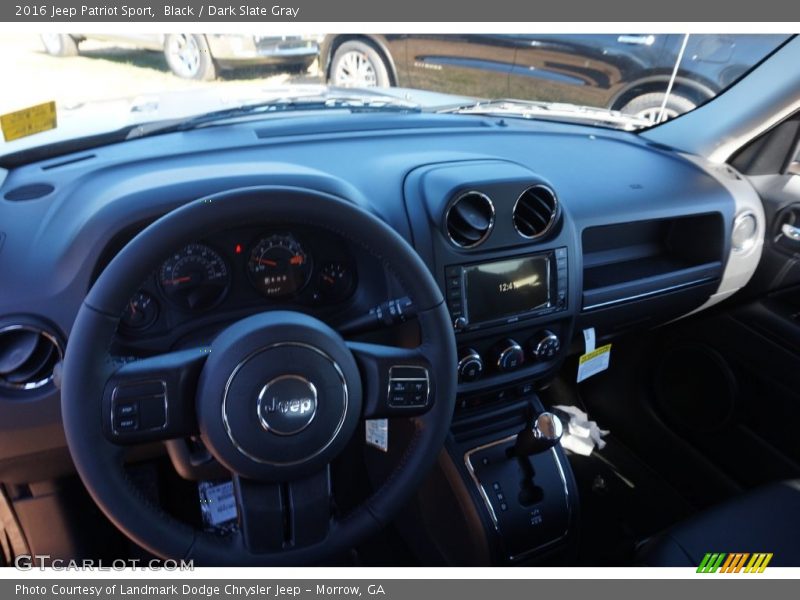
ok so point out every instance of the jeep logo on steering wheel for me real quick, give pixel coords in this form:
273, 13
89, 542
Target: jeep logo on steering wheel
287, 404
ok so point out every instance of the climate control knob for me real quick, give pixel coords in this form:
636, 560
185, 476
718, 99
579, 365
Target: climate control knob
508, 355
470, 365
544, 345
459, 324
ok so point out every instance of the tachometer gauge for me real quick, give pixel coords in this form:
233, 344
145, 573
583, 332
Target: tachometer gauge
194, 278
279, 266
140, 313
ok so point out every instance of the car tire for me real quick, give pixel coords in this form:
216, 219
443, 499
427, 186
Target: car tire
358, 64
648, 106
59, 44
189, 57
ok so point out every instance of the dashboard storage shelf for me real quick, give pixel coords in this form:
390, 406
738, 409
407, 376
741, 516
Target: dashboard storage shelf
633, 261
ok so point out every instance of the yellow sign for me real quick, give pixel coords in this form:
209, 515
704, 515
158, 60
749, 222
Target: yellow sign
28, 121
595, 353
594, 362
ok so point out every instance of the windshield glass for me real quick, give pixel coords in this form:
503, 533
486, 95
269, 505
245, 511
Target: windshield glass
107, 82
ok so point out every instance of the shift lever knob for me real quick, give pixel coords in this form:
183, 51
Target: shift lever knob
541, 435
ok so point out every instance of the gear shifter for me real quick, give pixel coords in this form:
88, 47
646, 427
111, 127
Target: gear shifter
539, 436
525, 481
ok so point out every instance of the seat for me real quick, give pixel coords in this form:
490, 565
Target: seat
766, 519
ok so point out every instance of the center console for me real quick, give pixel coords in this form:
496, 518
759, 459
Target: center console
503, 250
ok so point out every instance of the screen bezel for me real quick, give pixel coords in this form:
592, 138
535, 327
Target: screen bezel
509, 318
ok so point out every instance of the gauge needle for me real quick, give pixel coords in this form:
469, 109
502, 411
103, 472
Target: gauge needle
329, 279
133, 308
266, 261
176, 280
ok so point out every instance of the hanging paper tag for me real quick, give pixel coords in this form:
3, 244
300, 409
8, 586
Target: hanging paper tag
378, 434
594, 362
588, 337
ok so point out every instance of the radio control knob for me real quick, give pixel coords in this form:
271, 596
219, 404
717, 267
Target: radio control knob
470, 365
459, 323
544, 345
508, 355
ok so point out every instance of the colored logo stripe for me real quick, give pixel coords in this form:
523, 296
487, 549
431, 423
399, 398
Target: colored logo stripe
758, 563
711, 562
734, 562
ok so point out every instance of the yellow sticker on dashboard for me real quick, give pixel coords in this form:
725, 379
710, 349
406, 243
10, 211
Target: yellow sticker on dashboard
28, 121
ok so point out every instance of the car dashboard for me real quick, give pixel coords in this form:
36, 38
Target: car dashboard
533, 230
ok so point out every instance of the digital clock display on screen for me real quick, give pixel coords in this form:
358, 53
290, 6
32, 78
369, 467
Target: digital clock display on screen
505, 288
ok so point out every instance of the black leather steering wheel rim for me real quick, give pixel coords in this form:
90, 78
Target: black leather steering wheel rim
88, 366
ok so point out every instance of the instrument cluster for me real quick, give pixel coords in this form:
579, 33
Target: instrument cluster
239, 269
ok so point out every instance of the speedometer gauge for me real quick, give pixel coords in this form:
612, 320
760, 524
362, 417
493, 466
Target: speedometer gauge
194, 278
279, 266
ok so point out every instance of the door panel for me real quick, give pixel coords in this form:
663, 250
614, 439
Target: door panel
471, 65
757, 340
585, 69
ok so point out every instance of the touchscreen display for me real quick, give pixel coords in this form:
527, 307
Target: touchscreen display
506, 288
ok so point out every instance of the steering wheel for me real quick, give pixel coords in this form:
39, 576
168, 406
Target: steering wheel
274, 398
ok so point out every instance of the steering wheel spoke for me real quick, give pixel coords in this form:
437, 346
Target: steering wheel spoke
152, 399
397, 382
282, 516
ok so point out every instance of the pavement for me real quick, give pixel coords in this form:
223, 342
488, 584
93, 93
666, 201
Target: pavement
106, 70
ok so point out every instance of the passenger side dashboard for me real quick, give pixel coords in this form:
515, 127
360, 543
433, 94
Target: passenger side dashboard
601, 268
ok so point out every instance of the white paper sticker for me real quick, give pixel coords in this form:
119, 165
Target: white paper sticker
378, 434
218, 503
594, 362
588, 336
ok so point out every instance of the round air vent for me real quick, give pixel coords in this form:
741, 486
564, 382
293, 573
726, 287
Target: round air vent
27, 357
470, 219
535, 212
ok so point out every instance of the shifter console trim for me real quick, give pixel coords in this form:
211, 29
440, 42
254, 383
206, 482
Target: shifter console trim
471, 469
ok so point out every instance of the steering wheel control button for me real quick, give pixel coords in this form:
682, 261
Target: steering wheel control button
408, 387
139, 407
398, 399
399, 386
508, 355
127, 409
470, 365
139, 390
128, 424
287, 404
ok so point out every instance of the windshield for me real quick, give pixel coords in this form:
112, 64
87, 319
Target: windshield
109, 82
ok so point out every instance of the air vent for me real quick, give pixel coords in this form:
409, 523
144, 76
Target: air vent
470, 219
29, 192
27, 357
535, 212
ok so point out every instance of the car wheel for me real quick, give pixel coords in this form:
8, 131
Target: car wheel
358, 64
648, 106
59, 44
188, 56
